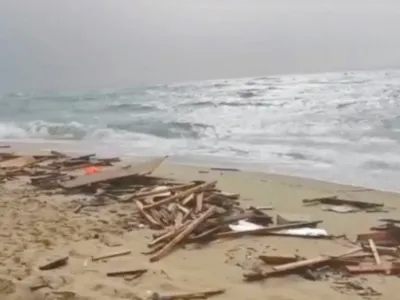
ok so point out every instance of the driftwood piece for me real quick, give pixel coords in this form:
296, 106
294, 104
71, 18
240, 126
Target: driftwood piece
334, 200
187, 296
111, 255
178, 238
183, 194
136, 273
278, 259
112, 174
59, 262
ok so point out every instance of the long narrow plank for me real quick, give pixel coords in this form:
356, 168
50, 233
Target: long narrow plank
374, 251
114, 173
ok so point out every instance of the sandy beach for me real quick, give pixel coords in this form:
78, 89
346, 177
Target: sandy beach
40, 225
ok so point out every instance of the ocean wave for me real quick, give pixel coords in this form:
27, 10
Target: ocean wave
79, 131
332, 124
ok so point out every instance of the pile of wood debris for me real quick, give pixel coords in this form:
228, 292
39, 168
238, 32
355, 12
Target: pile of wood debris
198, 212
376, 252
189, 212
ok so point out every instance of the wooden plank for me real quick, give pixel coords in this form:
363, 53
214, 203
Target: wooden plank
312, 261
114, 173
278, 259
298, 265
374, 251
199, 202
334, 200
389, 237
111, 255
389, 268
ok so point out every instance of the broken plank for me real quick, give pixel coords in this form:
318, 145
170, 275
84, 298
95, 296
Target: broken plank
137, 273
111, 255
177, 239
391, 251
297, 265
389, 237
374, 251
334, 200
313, 261
114, 173
148, 216
389, 268
187, 296
57, 263
199, 202
278, 259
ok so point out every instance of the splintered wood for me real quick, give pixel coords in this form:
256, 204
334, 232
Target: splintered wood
195, 212
377, 253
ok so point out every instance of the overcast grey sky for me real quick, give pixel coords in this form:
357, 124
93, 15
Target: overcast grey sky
119, 43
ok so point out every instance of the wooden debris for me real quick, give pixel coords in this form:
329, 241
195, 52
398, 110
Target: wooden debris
388, 268
58, 263
184, 194
113, 174
374, 251
185, 232
135, 273
391, 251
225, 169
187, 296
111, 255
278, 260
389, 237
199, 212
297, 265
334, 200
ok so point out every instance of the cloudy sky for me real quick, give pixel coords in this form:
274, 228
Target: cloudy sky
74, 44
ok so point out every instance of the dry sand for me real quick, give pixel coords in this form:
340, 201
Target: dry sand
36, 227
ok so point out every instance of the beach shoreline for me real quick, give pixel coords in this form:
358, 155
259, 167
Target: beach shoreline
37, 225
30, 147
